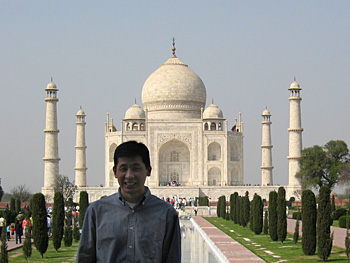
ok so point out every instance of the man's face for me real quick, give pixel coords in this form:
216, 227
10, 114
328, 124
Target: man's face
131, 173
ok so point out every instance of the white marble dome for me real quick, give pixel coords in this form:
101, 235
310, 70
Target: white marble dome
294, 85
81, 113
135, 112
173, 91
266, 112
212, 112
51, 86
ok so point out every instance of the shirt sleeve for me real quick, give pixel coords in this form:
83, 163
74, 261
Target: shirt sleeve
172, 242
87, 245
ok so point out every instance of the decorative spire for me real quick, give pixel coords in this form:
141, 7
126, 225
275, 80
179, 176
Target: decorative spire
295, 79
135, 101
173, 49
212, 100
51, 79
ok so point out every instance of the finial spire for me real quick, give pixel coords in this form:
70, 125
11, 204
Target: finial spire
173, 49
212, 100
295, 79
135, 101
51, 79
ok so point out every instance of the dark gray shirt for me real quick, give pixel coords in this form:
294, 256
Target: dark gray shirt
114, 232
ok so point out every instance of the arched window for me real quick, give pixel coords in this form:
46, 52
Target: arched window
174, 156
135, 126
142, 127
174, 176
128, 127
220, 126
213, 126
206, 126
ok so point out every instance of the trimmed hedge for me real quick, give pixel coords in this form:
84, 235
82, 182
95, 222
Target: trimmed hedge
338, 213
342, 221
296, 214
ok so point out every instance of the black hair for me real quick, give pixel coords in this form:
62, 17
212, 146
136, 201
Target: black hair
132, 149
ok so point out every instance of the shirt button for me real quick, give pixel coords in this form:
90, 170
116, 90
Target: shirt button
133, 211
130, 246
131, 227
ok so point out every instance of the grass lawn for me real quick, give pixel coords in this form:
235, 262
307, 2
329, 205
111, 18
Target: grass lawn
64, 254
336, 223
273, 251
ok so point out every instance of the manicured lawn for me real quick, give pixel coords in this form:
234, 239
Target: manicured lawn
64, 254
336, 223
273, 251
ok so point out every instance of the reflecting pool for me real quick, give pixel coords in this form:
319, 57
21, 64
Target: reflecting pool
193, 246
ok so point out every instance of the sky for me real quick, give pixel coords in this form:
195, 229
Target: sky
99, 54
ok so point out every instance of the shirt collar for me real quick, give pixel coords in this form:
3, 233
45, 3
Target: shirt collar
143, 200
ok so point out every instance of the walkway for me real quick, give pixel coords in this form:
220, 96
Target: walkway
231, 249
339, 233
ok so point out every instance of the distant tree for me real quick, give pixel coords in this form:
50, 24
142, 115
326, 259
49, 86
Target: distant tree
258, 215
344, 177
322, 165
333, 204
281, 214
252, 209
18, 205
246, 208
243, 216
40, 236
296, 230
21, 192
324, 237
13, 204
218, 207
309, 216
223, 207
4, 257
1, 193
58, 220
65, 186
68, 238
273, 215
83, 205
27, 245
233, 207
266, 223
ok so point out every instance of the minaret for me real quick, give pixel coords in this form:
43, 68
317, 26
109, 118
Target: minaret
51, 159
266, 164
295, 131
80, 150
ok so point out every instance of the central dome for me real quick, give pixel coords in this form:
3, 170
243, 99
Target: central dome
173, 91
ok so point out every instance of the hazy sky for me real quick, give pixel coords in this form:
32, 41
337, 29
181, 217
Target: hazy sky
99, 54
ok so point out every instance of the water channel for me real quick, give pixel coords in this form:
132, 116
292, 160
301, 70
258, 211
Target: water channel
194, 247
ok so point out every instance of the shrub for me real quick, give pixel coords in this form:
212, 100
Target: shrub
246, 208
338, 213
238, 210
58, 220
233, 207
309, 214
296, 232
27, 245
68, 238
258, 215
3, 247
273, 215
83, 205
297, 215
342, 221
76, 233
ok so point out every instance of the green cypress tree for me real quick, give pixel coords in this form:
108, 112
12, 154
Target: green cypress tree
266, 223
68, 238
252, 209
281, 214
223, 207
309, 216
27, 245
238, 210
4, 257
234, 211
246, 208
39, 214
296, 230
58, 220
218, 207
83, 205
333, 204
258, 215
273, 215
324, 238
12, 204
243, 221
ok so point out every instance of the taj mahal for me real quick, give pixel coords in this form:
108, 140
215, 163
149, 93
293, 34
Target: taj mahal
194, 152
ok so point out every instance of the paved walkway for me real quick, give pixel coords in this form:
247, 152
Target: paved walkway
11, 244
231, 249
339, 233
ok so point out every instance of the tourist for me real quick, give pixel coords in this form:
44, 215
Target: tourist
132, 225
8, 231
26, 225
19, 230
2, 222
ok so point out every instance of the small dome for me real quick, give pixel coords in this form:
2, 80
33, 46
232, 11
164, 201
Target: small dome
81, 113
212, 111
135, 112
51, 86
266, 112
294, 85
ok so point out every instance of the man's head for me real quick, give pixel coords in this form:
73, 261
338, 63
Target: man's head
131, 168
132, 149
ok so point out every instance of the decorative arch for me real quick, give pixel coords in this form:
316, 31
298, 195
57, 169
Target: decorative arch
142, 126
206, 126
174, 162
214, 176
135, 126
214, 152
213, 126
111, 151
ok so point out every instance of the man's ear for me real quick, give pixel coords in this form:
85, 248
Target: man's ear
149, 171
115, 171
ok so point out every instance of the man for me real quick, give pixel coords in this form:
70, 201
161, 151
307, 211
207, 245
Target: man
131, 225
